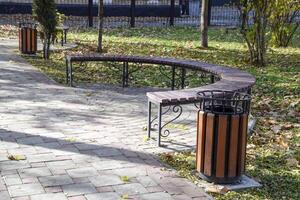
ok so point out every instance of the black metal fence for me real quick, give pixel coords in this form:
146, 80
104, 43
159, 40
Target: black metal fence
132, 13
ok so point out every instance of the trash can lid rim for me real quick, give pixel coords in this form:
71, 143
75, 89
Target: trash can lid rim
221, 95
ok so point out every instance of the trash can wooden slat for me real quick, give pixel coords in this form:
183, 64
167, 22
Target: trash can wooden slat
221, 146
201, 140
233, 149
209, 138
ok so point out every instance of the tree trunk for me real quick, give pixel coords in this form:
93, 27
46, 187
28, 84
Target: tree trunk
204, 23
44, 49
100, 25
48, 47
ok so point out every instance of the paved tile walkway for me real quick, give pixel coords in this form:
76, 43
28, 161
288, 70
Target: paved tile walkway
78, 142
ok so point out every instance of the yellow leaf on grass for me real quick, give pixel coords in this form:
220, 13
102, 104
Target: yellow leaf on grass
16, 157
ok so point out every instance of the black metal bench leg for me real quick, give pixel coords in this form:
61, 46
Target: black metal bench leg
65, 36
212, 79
173, 77
70, 75
249, 91
159, 124
149, 119
62, 38
125, 75
67, 71
183, 73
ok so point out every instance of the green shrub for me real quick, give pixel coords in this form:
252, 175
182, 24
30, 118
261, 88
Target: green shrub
44, 12
282, 21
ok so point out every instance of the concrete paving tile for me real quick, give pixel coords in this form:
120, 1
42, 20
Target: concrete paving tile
78, 189
57, 180
104, 196
53, 189
25, 189
130, 189
82, 172
146, 181
80, 197
4, 195
13, 179
156, 196
106, 180
56, 196
34, 172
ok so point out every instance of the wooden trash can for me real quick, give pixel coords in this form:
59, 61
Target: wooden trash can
27, 38
222, 136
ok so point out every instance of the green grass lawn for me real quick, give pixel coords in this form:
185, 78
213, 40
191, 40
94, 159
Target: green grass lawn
273, 150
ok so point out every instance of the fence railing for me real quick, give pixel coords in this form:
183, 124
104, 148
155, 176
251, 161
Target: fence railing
129, 12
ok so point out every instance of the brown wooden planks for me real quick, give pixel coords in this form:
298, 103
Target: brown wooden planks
209, 137
20, 40
200, 140
171, 96
23, 40
157, 97
33, 40
243, 141
221, 146
28, 38
233, 146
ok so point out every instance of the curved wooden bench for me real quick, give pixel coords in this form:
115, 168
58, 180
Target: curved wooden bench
230, 80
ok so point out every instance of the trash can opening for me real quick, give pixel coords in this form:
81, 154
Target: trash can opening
224, 102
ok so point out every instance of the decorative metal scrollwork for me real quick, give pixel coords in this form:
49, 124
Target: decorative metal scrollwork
161, 70
134, 68
176, 109
155, 118
114, 67
81, 67
139, 67
197, 105
217, 78
174, 83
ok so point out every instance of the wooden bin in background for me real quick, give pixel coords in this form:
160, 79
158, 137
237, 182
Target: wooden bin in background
27, 38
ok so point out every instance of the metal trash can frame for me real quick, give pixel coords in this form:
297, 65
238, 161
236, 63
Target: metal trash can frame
222, 135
